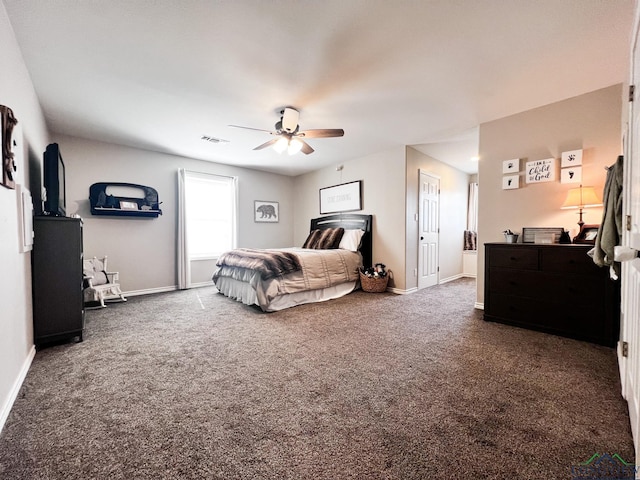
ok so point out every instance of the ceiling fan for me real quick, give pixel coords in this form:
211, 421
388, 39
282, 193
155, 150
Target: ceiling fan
290, 137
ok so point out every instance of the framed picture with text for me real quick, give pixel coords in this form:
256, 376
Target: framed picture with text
346, 197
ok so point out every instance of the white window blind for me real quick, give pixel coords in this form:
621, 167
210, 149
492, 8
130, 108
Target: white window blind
210, 214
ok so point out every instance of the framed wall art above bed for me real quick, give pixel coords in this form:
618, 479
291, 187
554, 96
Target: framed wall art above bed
346, 197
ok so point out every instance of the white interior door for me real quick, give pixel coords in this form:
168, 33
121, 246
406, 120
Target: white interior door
429, 228
630, 308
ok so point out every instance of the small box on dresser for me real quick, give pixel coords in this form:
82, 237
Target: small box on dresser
551, 288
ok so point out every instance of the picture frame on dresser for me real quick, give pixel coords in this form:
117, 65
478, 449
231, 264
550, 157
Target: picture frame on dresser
587, 235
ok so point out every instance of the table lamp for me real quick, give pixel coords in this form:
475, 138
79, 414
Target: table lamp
580, 198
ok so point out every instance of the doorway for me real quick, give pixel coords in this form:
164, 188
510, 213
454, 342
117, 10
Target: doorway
428, 230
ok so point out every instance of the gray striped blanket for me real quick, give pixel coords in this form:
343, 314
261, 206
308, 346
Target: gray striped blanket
270, 263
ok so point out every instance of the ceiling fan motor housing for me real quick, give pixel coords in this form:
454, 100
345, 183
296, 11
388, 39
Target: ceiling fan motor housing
289, 120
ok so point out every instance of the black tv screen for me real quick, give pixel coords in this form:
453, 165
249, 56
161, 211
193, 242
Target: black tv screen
54, 181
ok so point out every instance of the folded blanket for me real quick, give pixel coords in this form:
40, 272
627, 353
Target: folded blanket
270, 263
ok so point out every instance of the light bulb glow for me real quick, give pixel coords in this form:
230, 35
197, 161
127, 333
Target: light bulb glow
294, 146
281, 145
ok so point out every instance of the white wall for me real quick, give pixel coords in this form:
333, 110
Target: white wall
591, 122
383, 177
16, 322
454, 194
144, 250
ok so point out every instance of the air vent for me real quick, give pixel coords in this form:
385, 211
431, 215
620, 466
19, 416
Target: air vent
207, 138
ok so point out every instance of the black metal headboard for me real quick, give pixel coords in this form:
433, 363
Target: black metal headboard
351, 221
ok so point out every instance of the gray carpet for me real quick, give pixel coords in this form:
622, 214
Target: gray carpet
371, 386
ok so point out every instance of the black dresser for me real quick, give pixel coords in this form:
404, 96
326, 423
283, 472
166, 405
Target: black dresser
551, 288
58, 309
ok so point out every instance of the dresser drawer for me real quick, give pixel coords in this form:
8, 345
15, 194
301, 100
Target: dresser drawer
578, 321
513, 257
568, 260
550, 287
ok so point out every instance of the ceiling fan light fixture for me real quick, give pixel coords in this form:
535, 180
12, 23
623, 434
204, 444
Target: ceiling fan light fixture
294, 146
281, 145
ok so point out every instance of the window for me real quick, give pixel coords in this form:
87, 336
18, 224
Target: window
210, 214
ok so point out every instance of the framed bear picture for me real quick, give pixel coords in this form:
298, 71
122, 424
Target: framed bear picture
265, 212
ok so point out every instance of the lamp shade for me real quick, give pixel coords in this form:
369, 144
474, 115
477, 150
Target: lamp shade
582, 197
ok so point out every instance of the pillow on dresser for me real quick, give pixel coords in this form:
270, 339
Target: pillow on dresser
324, 239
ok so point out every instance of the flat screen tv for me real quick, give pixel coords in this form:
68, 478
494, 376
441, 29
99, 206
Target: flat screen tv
55, 202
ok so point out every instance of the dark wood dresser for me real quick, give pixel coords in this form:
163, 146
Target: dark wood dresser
58, 310
551, 288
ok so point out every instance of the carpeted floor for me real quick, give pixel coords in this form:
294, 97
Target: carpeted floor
192, 385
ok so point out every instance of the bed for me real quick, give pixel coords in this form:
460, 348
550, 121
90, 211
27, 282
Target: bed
275, 279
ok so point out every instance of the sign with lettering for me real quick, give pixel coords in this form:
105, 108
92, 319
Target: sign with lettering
538, 171
341, 198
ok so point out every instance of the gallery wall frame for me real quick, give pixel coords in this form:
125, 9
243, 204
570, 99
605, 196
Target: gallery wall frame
346, 197
265, 211
571, 175
510, 182
572, 158
511, 166
25, 212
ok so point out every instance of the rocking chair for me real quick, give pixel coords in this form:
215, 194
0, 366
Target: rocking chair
99, 284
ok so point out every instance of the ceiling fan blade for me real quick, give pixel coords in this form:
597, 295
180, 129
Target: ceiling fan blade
322, 133
250, 128
306, 148
267, 144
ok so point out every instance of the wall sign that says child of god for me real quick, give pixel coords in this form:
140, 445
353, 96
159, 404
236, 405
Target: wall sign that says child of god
541, 170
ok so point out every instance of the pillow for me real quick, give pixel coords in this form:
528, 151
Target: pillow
351, 240
324, 239
95, 268
98, 277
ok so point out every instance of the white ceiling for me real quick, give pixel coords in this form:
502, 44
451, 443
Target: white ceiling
160, 74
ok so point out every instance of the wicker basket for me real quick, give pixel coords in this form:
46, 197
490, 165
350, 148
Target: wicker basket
373, 284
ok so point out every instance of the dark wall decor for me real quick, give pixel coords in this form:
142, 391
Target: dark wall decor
144, 205
8, 164
346, 197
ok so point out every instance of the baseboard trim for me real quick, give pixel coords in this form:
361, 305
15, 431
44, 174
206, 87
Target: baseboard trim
450, 279
402, 292
13, 394
479, 306
147, 291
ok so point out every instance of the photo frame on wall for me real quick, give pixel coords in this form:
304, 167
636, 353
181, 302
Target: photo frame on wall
538, 171
511, 166
572, 158
571, 175
25, 212
7, 124
510, 182
346, 197
265, 211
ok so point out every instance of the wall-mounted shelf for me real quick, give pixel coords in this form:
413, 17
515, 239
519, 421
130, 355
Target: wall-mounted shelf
140, 201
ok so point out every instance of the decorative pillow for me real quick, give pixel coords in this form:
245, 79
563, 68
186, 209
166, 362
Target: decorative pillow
324, 239
95, 268
351, 240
